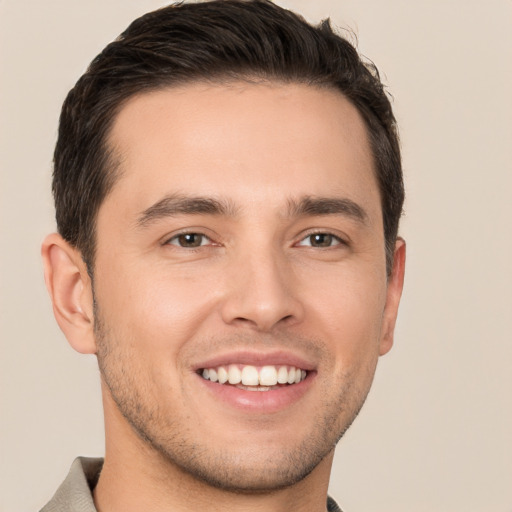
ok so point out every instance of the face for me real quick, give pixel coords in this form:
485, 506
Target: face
240, 281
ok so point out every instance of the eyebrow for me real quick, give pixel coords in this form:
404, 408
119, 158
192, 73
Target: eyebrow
312, 206
173, 205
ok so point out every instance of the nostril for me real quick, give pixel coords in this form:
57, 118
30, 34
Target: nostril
261, 323
261, 303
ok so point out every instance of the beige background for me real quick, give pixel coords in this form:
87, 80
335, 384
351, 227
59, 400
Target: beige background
436, 432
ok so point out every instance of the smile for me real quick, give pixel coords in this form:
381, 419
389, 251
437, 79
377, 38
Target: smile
253, 378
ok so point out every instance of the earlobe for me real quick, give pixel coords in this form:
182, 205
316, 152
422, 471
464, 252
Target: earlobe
393, 294
70, 290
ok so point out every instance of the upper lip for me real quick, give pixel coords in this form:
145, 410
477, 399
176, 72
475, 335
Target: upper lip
249, 357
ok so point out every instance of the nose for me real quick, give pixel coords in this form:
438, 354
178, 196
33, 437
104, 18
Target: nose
262, 292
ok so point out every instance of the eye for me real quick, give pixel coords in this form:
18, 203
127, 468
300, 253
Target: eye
320, 240
189, 240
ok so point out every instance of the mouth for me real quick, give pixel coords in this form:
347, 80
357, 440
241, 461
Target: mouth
256, 382
254, 378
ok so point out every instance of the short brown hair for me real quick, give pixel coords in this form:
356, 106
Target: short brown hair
210, 41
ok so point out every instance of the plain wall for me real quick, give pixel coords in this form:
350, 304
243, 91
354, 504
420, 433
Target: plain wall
436, 431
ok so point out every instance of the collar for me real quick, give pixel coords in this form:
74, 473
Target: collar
75, 493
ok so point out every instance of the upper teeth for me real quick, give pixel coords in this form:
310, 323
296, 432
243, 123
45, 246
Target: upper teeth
253, 376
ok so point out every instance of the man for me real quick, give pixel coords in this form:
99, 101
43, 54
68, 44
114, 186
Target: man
228, 189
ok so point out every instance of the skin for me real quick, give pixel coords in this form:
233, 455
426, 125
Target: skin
255, 283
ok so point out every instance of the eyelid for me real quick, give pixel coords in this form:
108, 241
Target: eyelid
342, 240
169, 239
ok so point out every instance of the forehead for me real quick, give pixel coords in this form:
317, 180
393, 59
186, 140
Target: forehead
249, 142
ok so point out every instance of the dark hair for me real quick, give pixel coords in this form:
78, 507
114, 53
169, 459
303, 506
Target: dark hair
210, 41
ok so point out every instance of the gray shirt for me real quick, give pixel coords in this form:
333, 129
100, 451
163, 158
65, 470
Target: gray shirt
75, 493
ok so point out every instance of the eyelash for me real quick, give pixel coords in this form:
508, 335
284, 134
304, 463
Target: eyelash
175, 240
332, 238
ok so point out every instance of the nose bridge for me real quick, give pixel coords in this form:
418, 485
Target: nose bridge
261, 291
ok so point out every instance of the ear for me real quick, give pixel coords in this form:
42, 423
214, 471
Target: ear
393, 294
70, 289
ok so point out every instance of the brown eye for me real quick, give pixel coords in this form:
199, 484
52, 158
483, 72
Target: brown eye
320, 240
189, 240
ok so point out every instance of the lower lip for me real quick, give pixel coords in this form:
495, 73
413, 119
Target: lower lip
270, 401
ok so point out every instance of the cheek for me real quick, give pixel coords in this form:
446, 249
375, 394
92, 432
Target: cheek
349, 310
154, 307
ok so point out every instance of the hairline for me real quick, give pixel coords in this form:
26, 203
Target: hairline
112, 158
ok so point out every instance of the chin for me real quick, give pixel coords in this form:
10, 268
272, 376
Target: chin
249, 471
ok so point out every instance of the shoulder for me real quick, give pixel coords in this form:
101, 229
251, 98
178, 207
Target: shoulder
75, 493
332, 506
